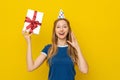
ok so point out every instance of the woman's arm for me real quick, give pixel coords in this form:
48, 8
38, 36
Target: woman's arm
32, 65
82, 64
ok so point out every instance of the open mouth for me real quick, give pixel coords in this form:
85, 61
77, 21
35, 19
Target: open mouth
61, 33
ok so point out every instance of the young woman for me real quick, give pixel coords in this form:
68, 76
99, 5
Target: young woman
61, 55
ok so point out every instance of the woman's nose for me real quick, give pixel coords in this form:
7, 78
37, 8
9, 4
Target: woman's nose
61, 28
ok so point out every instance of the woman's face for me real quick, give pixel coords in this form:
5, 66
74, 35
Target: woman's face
61, 29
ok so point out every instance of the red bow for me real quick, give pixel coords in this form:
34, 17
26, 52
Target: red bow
33, 24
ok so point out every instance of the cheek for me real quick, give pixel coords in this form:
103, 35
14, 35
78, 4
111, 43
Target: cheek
66, 30
56, 29
56, 32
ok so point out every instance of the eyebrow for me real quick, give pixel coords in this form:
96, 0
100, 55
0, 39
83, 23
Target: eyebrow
64, 24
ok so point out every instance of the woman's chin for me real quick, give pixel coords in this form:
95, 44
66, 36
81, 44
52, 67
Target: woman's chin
61, 38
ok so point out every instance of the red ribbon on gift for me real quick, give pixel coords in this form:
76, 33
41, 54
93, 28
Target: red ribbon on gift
33, 24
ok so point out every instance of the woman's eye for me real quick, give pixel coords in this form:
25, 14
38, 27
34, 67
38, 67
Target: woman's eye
58, 27
65, 26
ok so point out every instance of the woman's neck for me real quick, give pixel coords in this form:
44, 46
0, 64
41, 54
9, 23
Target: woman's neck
62, 42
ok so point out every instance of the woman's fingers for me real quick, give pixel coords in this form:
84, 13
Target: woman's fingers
30, 34
26, 34
69, 42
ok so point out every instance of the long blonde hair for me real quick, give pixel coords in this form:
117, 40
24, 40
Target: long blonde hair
53, 49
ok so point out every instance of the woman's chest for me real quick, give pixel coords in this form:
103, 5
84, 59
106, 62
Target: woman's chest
61, 58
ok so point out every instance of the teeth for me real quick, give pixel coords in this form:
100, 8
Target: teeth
61, 33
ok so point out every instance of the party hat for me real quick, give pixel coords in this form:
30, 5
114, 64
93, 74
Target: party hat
61, 14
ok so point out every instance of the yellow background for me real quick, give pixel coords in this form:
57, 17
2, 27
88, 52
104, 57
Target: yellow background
96, 24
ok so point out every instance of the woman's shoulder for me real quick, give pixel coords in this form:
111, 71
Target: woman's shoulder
46, 48
48, 45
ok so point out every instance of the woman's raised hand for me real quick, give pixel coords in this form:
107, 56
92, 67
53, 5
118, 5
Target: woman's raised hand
74, 42
27, 35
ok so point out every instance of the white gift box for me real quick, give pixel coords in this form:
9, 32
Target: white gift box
33, 24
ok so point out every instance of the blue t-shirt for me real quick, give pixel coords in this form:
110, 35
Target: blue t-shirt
61, 65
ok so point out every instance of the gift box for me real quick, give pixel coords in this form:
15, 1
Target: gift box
33, 21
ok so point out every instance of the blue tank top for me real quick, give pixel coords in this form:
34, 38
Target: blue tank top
61, 66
